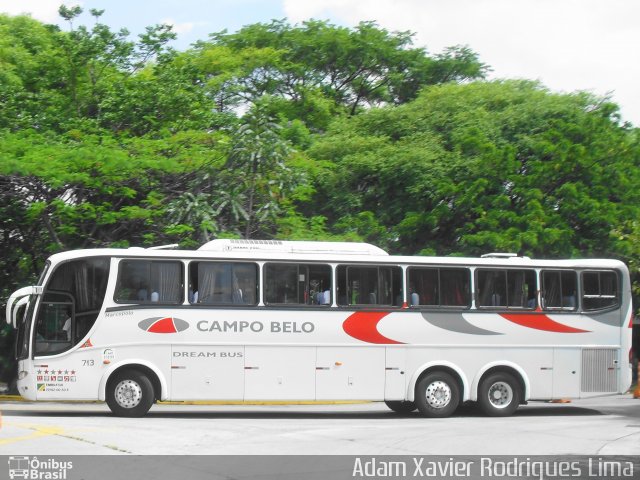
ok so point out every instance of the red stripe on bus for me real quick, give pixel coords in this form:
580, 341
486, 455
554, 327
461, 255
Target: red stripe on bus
364, 326
164, 325
540, 322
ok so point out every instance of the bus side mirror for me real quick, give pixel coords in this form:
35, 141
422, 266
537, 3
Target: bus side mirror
13, 304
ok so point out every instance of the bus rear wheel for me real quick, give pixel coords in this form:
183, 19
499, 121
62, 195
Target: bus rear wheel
437, 395
130, 394
401, 406
499, 395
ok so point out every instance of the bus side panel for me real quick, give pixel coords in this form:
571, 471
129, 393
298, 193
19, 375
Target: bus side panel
395, 385
279, 373
70, 376
207, 372
536, 363
351, 373
566, 372
154, 357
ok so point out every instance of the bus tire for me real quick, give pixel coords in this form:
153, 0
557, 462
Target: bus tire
130, 394
437, 395
499, 395
400, 406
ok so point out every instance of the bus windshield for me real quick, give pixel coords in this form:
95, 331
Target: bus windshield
70, 304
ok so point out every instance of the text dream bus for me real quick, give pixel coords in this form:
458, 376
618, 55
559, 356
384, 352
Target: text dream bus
270, 320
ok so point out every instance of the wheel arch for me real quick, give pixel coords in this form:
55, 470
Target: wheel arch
447, 367
156, 377
506, 367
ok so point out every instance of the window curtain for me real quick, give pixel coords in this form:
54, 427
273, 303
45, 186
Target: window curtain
207, 276
82, 287
168, 275
552, 291
516, 295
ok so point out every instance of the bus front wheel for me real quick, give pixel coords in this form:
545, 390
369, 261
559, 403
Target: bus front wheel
499, 395
130, 394
437, 395
401, 406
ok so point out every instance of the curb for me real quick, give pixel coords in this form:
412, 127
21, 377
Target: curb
18, 398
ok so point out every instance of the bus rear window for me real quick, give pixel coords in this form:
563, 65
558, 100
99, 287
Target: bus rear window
150, 281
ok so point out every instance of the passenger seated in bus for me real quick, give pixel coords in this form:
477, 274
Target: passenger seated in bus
237, 296
323, 298
66, 328
326, 297
133, 290
569, 301
415, 299
496, 300
142, 294
193, 296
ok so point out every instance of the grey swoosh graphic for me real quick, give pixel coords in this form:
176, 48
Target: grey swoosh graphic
145, 324
610, 318
454, 322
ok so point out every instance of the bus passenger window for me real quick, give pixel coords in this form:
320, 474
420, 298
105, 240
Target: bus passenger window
369, 285
223, 283
297, 284
149, 281
433, 286
559, 290
599, 290
506, 288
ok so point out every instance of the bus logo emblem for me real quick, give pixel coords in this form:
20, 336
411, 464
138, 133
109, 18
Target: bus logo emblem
163, 325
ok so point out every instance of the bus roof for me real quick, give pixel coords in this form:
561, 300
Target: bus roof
309, 248
328, 252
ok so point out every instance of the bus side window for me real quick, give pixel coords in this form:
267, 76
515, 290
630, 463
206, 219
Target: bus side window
506, 288
434, 286
223, 283
297, 284
423, 286
559, 290
369, 285
599, 290
149, 281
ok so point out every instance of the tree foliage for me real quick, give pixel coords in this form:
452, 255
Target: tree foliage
498, 166
316, 61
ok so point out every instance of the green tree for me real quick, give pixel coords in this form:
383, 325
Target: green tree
364, 66
258, 163
504, 166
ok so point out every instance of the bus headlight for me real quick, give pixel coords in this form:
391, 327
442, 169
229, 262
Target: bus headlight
22, 374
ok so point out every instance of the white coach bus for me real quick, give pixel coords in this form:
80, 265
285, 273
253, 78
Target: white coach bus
271, 320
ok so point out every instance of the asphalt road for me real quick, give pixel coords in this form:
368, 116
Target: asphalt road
604, 426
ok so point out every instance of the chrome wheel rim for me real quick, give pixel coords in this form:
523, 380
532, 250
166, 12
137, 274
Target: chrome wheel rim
500, 395
438, 394
128, 394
